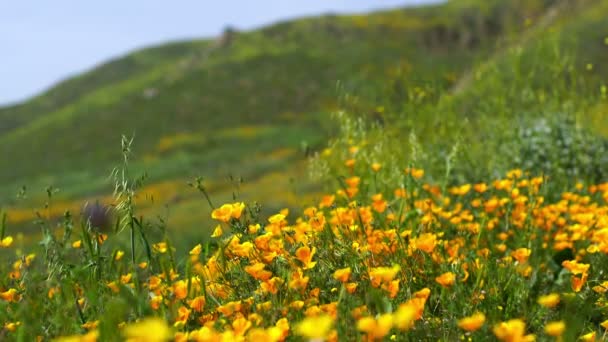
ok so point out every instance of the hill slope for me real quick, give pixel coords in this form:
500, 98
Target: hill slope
249, 104
537, 102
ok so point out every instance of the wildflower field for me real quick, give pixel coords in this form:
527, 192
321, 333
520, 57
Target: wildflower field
372, 261
457, 192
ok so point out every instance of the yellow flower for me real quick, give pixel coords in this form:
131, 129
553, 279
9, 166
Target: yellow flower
353, 182
351, 287
426, 242
327, 201
101, 238
155, 302
601, 288
228, 211
126, 278
512, 331
480, 188
113, 286
204, 334
77, 244
574, 267
472, 323
392, 288
10, 295
119, 255
196, 250
223, 213
589, 337
51, 293
91, 336
376, 167
446, 280
180, 289
555, 329
237, 209
29, 258
282, 326
342, 275
521, 254
376, 328
416, 173
150, 329
197, 304
183, 313
424, 293
515, 173
549, 301
305, 254
315, 327
90, 325
6, 242
297, 305
405, 316
257, 271
271, 285
217, 232
160, 247
277, 219
12, 326
154, 282
461, 190
272, 334
578, 282
254, 228
240, 326
378, 275
378, 203
181, 337
243, 249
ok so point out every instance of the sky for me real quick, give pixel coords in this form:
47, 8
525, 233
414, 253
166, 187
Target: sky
43, 42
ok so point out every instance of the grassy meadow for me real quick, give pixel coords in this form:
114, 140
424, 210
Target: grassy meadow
427, 173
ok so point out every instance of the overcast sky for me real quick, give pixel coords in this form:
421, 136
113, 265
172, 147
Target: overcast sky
42, 42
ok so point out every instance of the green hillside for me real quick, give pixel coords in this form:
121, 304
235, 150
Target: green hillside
537, 101
254, 105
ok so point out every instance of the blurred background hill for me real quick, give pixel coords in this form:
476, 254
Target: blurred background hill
246, 110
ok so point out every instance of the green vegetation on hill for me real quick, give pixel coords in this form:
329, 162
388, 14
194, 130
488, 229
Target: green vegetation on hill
537, 102
253, 105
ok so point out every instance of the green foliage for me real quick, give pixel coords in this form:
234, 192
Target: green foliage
474, 129
558, 147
